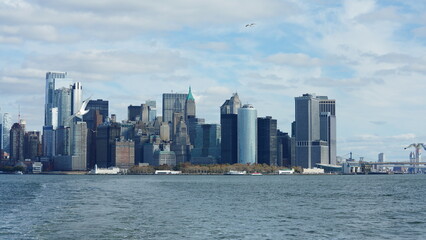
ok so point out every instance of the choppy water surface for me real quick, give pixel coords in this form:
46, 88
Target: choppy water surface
212, 207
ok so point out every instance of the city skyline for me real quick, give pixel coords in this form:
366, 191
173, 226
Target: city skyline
366, 54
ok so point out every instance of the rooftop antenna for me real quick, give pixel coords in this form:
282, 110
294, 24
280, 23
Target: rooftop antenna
19, 112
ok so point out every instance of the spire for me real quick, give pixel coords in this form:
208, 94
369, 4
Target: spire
190, 97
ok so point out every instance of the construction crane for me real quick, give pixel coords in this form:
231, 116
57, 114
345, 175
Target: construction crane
418, 147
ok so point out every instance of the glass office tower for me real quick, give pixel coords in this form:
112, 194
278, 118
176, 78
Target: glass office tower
247, 134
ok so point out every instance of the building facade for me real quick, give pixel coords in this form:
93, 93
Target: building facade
54, 80
106, 136
315, 130
190, 106
123, 152
1, 133
328, 126
207, 142
79, 146
62, 141
285, 150
229, 130
32, 145
7, 125
17, 133
134, 113
98, 114
267, 141
96, 108
152, 104
247, 135
63, 98
307, 130
173, 103
181, 145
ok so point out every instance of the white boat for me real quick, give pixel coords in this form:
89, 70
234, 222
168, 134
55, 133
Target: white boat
256, 174
19, 172
110, 170
286, 171
167, 172
232, 172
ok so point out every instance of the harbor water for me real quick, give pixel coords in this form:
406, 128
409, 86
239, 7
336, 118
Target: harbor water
212, 207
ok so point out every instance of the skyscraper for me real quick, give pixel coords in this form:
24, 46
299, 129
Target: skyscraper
7, 125
267, 141
32, 145
98, 114
63, 102
144, 113
90, 118
192, 123
328, 126
134, 113
152, 104
173, 103
123, 153
48, 141
247, 134
231, 106
381, 157
1, 134
106, 136
189, 106
181, 145
77, 94
190, 117
79, 146
307, 129
229, 130
207, 144
62, 141
54, 80
285, 150
62, 99
313, 130
17, 133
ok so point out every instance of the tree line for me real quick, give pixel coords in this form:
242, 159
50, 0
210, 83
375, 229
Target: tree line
188, 168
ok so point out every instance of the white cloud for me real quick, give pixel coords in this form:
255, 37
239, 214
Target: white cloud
294, 59
356, 8
112, 61
215, 46
112, 20
10, 40
420, 32
407, 136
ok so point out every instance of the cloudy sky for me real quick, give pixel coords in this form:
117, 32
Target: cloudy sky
368, 55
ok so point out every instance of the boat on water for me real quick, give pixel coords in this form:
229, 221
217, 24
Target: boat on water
256, 174
285, 171
19, 172
167, 172
110, 170
232, 172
